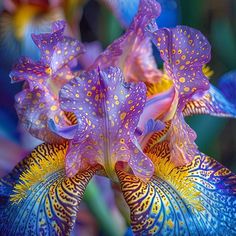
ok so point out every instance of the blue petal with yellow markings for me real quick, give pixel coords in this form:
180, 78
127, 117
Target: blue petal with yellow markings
37, 198
197, 199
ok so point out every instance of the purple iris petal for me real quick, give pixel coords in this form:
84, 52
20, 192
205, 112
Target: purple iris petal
28, 70
157, 107
107, 110
56, 49
34, 108
184, 51
38, 102
181, 141
133, 51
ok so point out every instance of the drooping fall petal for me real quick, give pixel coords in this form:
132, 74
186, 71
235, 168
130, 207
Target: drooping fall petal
197, 199
38, 198
184, 51
211, 102
227, 85
107, 110
38, 102
132, 52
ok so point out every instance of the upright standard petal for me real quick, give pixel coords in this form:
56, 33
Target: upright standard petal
133, 51
181, 139
38, 198
107, 110
56, 49
184, 51
38, 102
197, 199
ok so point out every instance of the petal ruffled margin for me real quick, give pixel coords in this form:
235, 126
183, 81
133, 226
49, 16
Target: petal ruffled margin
38, 198
197, 199
132, 52
184, 51
181, 138
107, 110
38, 102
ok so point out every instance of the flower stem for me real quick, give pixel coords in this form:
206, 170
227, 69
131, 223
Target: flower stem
100, 210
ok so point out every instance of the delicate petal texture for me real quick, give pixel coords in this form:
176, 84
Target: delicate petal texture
160, 149
211, 102
34, 110
56, 49
149, 142
37, 198
157, 107
198, 199
28, 70
124, 10
38, 102
181, 141
133, 51
178, 140
107, 110
184, 51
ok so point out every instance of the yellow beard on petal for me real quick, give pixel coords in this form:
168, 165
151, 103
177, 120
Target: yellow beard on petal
162, 85
178, 179
43, 161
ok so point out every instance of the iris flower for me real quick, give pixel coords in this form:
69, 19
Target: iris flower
21, 18
122, 118
38, 102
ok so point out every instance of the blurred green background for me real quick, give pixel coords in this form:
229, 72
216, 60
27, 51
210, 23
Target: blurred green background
92, 21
